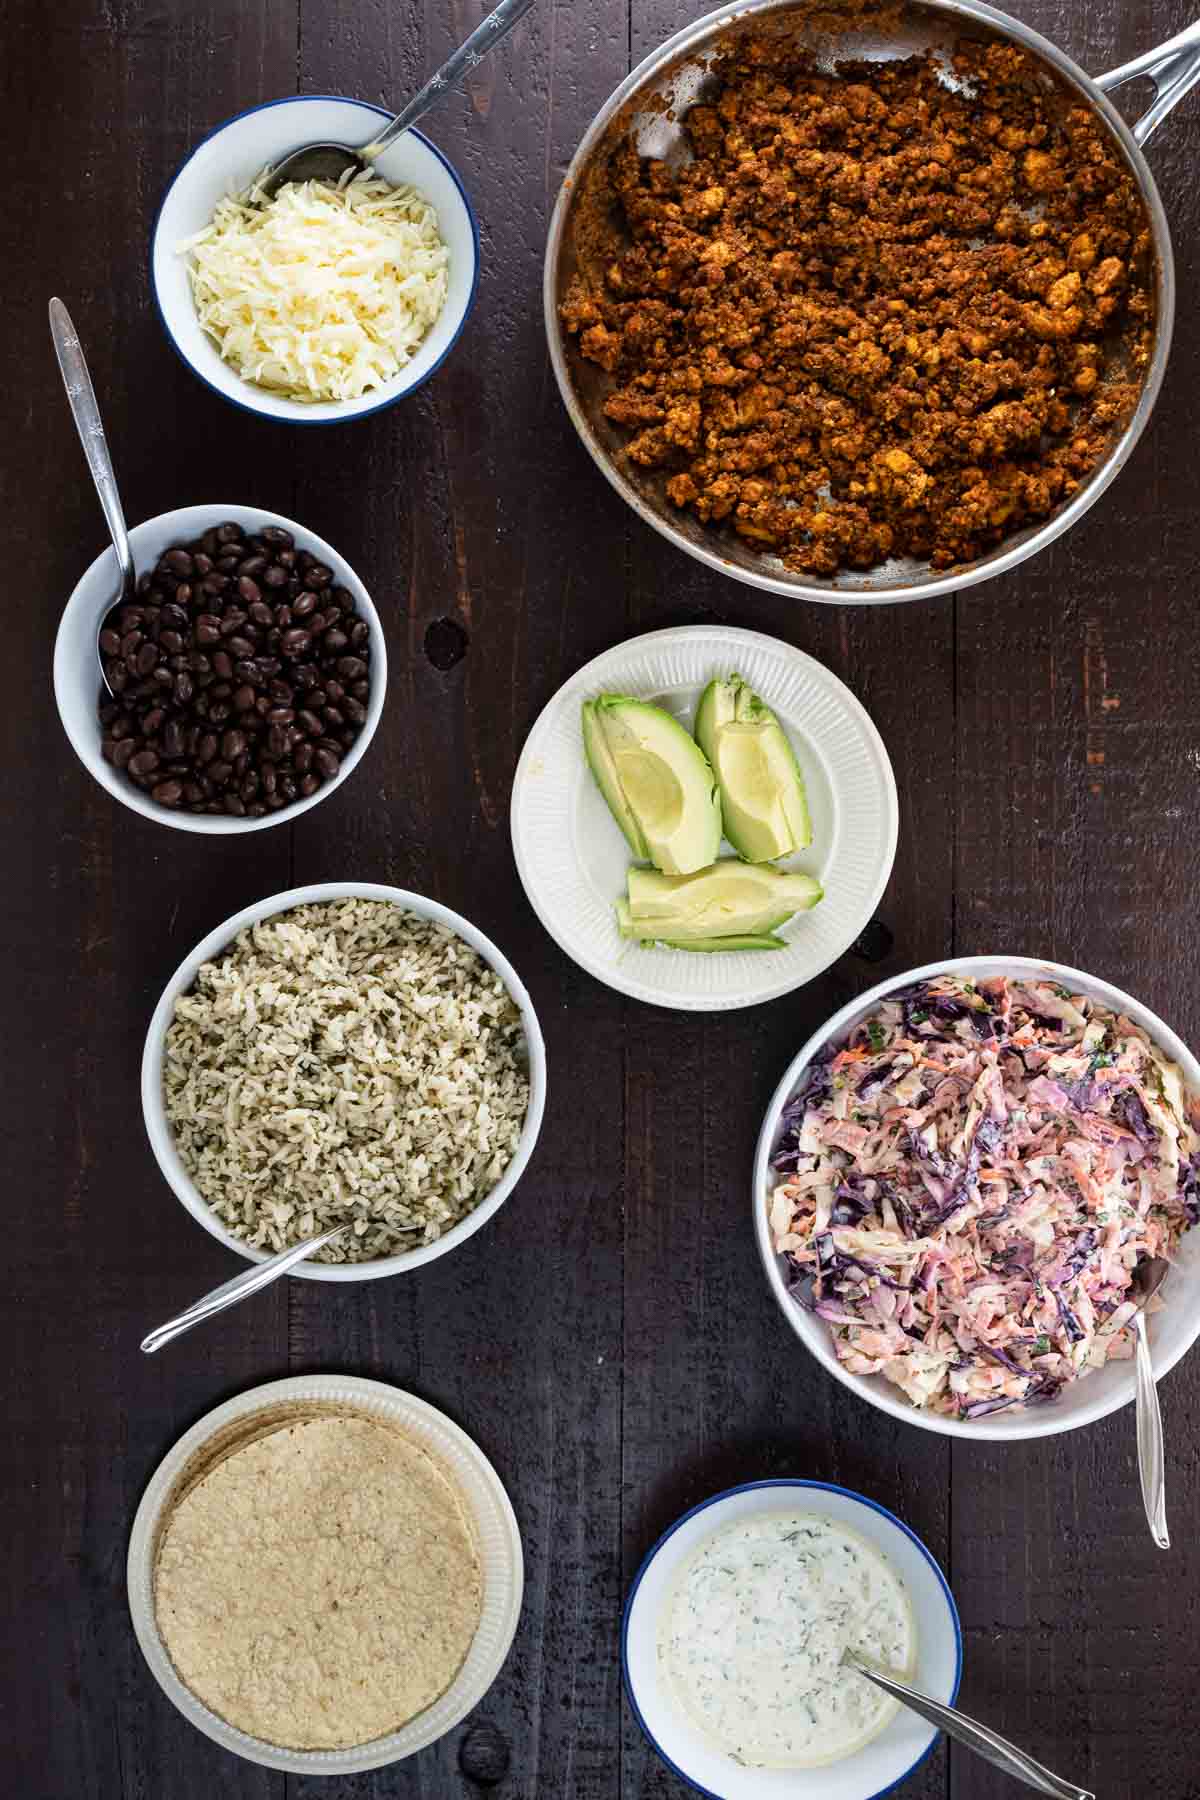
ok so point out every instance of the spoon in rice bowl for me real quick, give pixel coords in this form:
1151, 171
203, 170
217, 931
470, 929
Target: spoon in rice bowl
240, 1288
333, 162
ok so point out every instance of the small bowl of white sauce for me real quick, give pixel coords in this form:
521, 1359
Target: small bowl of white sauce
734, 1630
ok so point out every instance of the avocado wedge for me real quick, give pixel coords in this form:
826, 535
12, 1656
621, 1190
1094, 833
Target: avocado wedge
763, 803
730, 905
656, 780
604, 768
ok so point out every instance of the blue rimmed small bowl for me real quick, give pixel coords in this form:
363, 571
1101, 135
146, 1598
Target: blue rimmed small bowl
227, 161
866, 1774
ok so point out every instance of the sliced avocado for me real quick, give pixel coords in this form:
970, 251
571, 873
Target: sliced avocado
763, 941
766, 942
600, 762
730, 899
763, 802
656, 780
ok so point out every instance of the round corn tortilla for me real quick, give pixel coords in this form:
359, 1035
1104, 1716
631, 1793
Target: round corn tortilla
319, 1585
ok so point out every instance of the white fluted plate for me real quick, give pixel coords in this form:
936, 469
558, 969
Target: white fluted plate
573, 860
497, 1539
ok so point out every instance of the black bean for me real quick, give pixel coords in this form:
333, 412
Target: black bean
318, 575
261, 613
253, 566
335, 639
110, 643
277, 535
243, 698
294, 642
174, 739
274, 576
328, 762
238, 645
184, 688
147, 658
352, 667
222, 664
122, 750
208, 629
167, 793
144, 763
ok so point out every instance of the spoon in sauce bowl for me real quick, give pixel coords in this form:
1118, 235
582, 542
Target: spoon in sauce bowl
85, 410
984, 1742
332, 162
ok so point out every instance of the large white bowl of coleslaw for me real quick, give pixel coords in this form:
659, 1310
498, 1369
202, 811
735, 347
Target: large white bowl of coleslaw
954, 1180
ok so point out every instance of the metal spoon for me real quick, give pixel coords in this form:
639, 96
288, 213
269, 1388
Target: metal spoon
329, 162
988, 1744
1147, 1278
86, 413
230, 1292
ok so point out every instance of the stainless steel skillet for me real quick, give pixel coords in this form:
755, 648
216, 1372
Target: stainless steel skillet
649, 105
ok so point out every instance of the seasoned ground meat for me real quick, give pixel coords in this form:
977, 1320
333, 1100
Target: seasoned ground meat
882, 313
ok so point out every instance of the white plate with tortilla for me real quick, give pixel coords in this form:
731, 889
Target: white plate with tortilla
311, 1448
573, 859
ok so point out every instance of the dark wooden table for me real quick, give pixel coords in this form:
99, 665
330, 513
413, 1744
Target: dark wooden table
608, 1339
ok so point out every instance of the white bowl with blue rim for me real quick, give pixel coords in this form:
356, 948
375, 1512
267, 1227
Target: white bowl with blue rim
866, 1773
227, 161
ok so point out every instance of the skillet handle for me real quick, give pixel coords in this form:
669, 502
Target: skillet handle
1174, 68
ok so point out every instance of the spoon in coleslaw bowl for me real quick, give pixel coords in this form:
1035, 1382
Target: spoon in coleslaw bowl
973, 1736
1148, 1276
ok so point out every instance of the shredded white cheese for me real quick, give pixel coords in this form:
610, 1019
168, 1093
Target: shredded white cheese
325, 292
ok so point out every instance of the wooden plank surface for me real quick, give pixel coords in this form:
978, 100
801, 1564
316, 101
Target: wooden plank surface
608, 1339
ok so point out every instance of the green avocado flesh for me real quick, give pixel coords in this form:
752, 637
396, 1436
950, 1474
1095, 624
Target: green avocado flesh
763, 803
656, 781
731, 905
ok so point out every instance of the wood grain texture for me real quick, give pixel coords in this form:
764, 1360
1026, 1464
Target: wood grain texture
608, 1339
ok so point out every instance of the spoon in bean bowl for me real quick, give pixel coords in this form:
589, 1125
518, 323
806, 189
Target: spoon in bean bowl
334, 162
85, 411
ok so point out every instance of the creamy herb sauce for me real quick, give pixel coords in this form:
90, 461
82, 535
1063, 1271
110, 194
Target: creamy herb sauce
752, 1633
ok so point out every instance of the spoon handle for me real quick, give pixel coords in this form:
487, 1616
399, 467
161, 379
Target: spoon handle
230, 1292
485, 37
988, 1744
1151, 1460
86, 414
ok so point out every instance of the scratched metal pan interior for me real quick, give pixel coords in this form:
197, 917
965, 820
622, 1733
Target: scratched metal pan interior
649, 106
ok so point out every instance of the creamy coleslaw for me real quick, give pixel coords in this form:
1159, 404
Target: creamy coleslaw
965, 1188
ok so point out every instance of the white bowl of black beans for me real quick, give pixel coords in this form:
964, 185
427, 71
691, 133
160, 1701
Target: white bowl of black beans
248, 674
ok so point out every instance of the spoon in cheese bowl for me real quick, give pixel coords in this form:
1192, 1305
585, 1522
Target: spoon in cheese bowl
334, 162
973, 1736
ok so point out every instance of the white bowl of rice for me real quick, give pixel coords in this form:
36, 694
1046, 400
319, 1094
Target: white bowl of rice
374, 322
344, 1054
